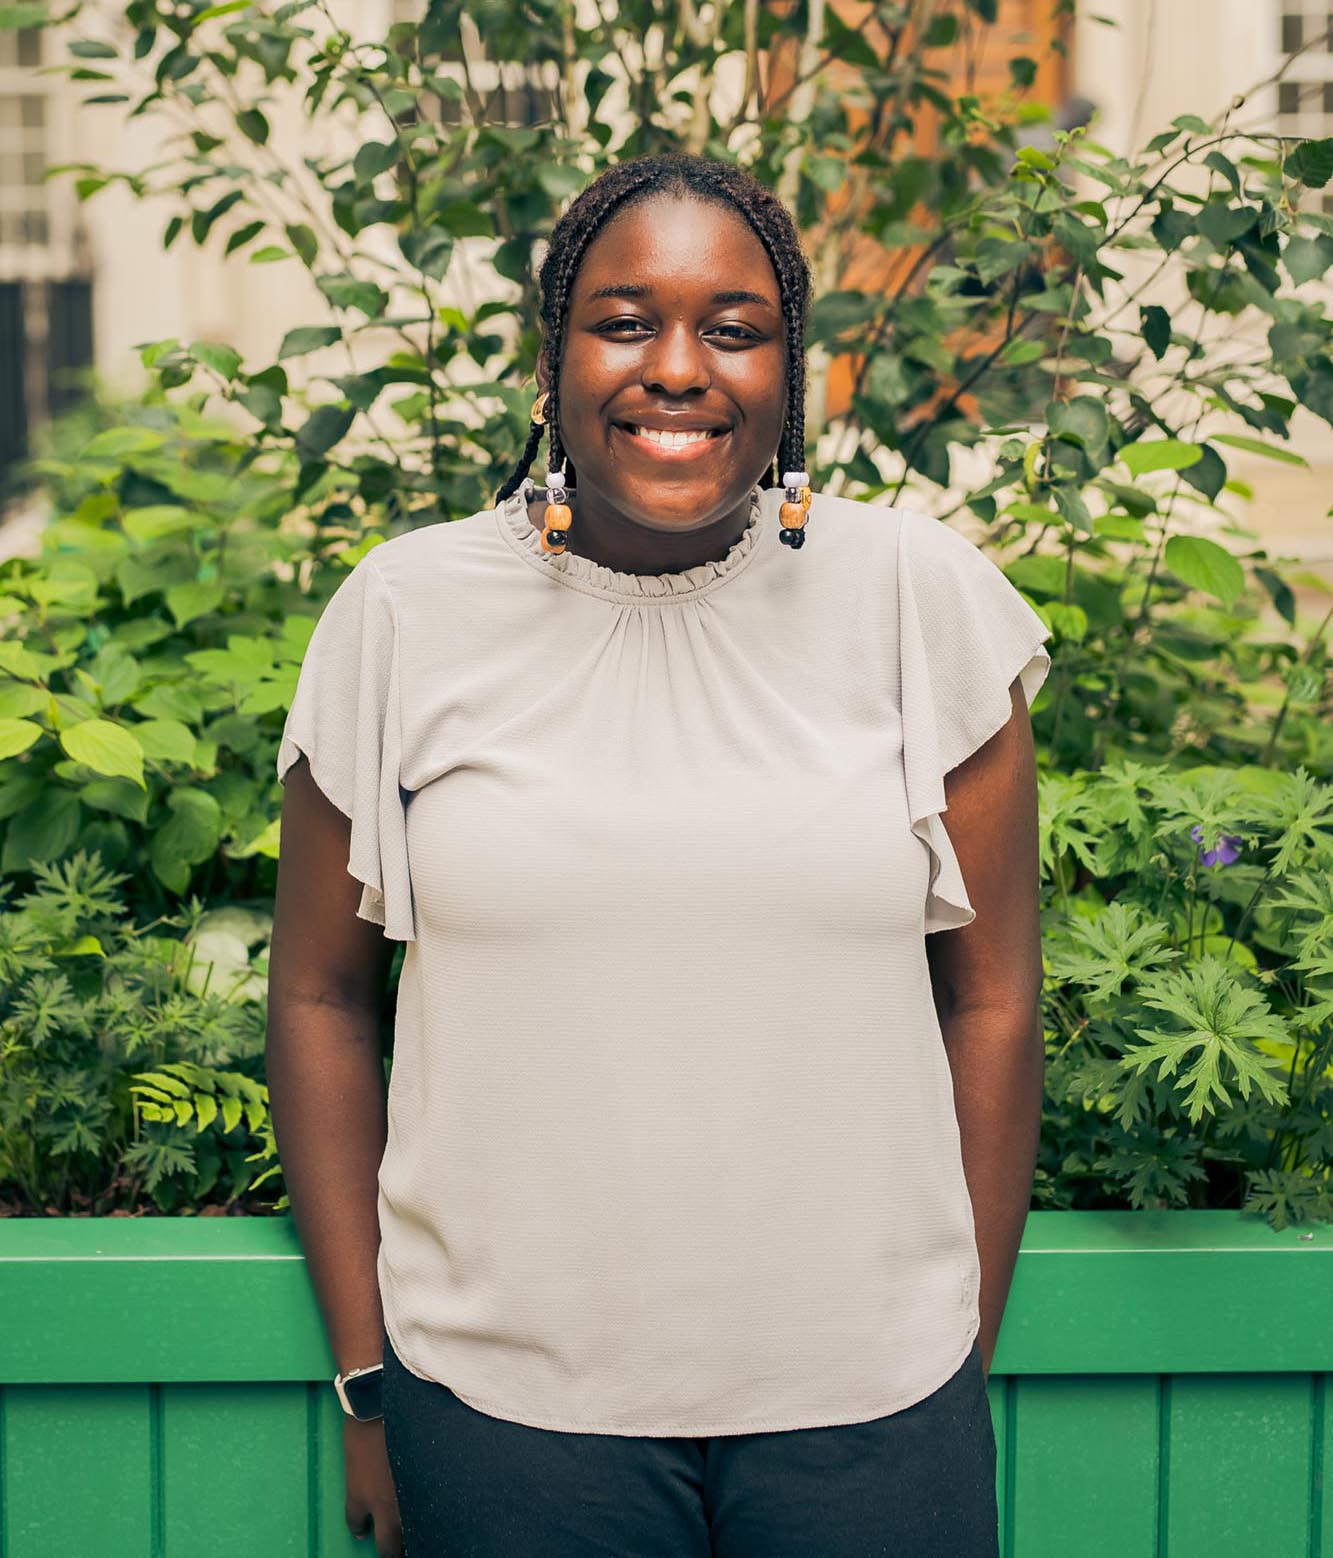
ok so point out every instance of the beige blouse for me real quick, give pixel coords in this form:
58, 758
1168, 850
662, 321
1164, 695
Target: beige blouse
672, 1144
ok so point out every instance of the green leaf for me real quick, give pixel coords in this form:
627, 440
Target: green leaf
428, 250
307, 338
242, 236
106, 748
42, 831
115, 443
303, 240
1257, 446
324, 427
1206, 566
253, 125
195, 599
17, 735
155, 521
13, 18
1082, 421
1208, 474
223, 360
348, 292
1310, 163
1163, 454
373, 158
1308, 258
1279, 592
92, 49
559, 180
211, 11
166, 740
1218, 1019
1155, 323
190, 835
1222, 223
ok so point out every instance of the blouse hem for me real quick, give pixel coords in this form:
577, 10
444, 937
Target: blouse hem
696, 1429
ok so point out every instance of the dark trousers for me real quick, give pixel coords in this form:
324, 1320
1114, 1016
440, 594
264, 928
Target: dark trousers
917, 1484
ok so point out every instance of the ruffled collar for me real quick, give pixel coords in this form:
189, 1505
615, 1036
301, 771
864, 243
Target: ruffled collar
581, 573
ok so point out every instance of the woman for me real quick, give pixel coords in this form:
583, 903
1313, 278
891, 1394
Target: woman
691, 1218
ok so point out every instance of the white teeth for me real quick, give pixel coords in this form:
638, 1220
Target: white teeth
672, 440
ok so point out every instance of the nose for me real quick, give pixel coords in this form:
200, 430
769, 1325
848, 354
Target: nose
676, 363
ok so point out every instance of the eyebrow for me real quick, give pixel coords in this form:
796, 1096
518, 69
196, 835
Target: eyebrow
632, 292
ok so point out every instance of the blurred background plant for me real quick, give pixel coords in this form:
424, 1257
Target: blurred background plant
1062, 348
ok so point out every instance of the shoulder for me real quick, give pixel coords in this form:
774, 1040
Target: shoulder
903, 539
403, 557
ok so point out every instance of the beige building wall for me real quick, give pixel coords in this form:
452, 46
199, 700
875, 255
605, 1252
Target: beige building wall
1168, 57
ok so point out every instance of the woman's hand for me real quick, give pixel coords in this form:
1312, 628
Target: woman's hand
372, 1502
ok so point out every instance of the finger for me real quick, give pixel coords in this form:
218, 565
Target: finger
389, 1532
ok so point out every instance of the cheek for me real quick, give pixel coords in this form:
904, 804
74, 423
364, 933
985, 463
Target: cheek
758, 385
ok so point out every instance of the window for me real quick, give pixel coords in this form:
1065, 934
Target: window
1305, 94
24, 216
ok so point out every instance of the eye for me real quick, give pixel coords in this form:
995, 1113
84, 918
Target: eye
738, 333
626, 323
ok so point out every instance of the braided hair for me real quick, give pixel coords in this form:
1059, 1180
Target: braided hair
643, 178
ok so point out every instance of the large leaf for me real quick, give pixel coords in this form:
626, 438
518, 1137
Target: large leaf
1204, 565
1162, 454
105, 747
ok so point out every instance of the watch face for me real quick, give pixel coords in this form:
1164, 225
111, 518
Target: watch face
364, 1394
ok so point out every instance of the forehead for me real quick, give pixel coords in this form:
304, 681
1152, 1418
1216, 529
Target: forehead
677, 244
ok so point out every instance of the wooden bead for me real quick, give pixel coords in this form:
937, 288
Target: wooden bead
557, 516
792, 515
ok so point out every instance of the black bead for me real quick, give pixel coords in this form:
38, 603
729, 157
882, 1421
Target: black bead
557, 537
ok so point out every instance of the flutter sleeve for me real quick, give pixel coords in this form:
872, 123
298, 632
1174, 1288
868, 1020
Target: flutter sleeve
965, 633
345, 718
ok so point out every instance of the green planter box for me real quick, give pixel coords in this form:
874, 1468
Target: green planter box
1160, 1391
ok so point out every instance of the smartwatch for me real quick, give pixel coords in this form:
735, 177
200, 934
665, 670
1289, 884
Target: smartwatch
360, 1392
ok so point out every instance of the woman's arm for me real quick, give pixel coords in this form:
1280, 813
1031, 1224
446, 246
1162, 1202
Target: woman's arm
327, 975
986, 979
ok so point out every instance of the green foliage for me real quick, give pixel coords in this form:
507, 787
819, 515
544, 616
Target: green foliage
1188, 1004
1098, 335
90, 1001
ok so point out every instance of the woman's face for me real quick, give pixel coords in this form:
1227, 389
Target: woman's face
672, 386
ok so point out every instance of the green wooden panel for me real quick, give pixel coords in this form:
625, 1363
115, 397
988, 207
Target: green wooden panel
1321, 1490
1085, 1471
235, 1470
326, 1438
1238, 1466
77, 1476
228, 1298
997, 1392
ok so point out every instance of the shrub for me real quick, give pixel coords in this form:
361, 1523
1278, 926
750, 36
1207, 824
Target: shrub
1068, 344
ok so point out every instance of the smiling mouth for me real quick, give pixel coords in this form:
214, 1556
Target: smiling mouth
658, 438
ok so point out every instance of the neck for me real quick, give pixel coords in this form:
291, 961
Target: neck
605, 536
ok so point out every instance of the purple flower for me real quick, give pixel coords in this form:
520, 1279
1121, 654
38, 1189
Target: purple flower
1228, 848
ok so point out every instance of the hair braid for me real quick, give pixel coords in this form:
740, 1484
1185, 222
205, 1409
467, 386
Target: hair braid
535, 432
641, 178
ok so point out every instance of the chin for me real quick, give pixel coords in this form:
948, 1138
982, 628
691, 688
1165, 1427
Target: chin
675, 506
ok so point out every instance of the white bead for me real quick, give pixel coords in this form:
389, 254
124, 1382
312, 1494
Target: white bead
796, 479
555, 478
